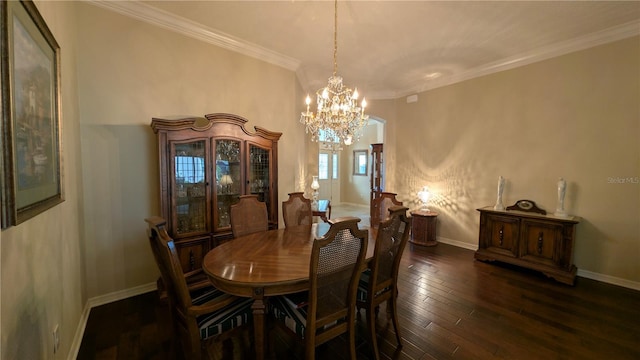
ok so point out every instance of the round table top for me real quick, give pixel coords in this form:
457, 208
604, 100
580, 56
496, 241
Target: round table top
266, 263
420, 212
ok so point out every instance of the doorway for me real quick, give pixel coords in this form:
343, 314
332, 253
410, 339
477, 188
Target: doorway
335, 167
329, 176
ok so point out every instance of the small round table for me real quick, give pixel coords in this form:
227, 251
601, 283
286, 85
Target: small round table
423, 228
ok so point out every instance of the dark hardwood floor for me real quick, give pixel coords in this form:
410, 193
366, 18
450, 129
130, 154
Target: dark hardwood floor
450, 307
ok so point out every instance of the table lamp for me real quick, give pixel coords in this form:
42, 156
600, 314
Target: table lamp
226, 182
424, 196
315, 186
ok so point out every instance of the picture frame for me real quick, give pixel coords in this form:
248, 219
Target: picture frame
360, 162
31, 161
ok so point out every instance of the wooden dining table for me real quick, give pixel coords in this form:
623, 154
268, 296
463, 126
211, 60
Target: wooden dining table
323, 210
264, 264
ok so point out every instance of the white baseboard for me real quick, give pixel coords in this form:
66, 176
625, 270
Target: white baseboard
582, 273
77, 337
121, 294
609, 279
101, 300
457, 243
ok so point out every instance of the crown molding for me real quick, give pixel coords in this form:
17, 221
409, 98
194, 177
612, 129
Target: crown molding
167, 20
558, 49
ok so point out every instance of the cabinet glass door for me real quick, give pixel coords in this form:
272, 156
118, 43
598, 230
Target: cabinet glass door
228, 176
189, 187
258, 177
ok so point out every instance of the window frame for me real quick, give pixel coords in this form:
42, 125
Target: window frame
357, 165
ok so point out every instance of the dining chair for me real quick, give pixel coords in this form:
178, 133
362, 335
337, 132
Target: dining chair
297, 210
327, 310
380, 207
203, 318
248, 216
379, 282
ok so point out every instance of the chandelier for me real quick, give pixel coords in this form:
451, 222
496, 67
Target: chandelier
338, 117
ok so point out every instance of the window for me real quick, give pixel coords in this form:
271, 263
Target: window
335, 166
360, 162
323, 166
189, 169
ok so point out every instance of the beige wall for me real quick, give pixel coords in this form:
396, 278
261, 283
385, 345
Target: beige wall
42, 276
355, 189
139, 71
576, 116
386, 110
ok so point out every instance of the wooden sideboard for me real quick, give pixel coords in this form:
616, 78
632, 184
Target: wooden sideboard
540, 242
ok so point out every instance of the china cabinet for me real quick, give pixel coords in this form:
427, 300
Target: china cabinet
536, 241
206, 164
377, 181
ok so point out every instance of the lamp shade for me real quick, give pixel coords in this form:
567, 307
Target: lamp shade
226, 180
314, 184
424, 196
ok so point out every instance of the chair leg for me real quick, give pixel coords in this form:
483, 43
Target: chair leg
371, 327
196, 347
394, 318
310, 349
352, 338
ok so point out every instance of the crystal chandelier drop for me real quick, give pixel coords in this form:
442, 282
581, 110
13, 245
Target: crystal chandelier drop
338, 115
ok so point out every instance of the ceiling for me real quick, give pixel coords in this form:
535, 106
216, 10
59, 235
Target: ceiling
390, 49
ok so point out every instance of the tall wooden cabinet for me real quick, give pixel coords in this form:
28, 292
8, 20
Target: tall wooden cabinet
377, 181
205, 165
539, 242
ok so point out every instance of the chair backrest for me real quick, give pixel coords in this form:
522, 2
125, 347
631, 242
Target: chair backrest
392, 237
168, 261
297, 210
383, 202
248, 216
337, 260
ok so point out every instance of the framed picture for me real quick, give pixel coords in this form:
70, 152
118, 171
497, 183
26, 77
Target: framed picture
31, 181
360, 165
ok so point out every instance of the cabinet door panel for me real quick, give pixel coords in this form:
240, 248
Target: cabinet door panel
189, 187
503, 235
192, 252
542, 242
258, 180
228, 175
